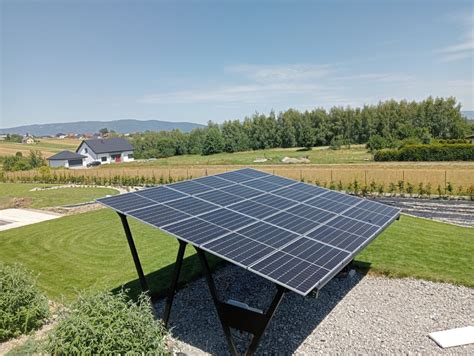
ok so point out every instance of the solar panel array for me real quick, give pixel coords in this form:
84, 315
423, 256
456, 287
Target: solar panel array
295, 234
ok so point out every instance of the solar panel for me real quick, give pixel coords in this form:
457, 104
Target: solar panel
214, 182
295, 234
190, 187
159, 215
161, 194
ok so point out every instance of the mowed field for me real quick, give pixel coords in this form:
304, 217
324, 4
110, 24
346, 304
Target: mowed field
48, 147
89, 251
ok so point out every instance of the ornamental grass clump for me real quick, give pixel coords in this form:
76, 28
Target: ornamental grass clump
23, 307
106, 323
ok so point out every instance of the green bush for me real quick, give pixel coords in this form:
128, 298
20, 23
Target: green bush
23, 307
437, 152
106, 323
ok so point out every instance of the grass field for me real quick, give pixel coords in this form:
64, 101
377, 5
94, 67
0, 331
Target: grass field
90, 251
48, 147
319, 155
48, 198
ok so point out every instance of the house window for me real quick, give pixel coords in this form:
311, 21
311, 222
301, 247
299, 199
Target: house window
130, 155
103, 159
85, 150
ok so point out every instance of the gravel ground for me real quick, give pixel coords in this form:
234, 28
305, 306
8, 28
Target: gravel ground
357, 315
459, 212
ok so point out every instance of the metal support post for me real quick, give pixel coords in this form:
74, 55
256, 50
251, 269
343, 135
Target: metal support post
174, 283
133, 250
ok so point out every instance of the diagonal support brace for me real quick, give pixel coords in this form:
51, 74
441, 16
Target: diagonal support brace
174, 283
133, 250
233, 316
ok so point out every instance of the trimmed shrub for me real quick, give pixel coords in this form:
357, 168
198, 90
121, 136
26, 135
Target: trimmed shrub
23, 307
445, 152
106, 323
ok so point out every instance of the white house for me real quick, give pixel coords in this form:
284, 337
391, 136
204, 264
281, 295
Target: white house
471, 138
66, 159
110, 150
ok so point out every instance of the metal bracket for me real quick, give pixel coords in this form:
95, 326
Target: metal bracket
240, 318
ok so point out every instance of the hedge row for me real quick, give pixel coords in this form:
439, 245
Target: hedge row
54, 178
445, 152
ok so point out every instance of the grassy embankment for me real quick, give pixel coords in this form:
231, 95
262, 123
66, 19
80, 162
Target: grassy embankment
90, 251
22, 194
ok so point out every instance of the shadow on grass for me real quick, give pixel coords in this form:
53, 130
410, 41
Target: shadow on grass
159, 281
194, 319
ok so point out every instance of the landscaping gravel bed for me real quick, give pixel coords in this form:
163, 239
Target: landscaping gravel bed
459, 212
358, 314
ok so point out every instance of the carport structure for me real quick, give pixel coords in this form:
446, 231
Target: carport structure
296, 235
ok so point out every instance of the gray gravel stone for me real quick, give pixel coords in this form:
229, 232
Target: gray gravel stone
358, 315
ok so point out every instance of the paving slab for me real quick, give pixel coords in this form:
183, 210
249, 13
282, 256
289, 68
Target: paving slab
12, 218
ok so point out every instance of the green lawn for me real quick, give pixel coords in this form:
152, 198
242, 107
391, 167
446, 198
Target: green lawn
424, 249
48, 198
90, 251
319, 155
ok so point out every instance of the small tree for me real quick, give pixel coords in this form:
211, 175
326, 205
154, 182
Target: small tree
214, 142
376, 142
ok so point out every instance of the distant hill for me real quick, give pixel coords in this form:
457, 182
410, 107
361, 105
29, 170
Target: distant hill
120, 126
468, 114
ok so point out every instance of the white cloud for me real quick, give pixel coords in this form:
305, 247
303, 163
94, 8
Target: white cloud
282, 73
234, 93
378, 77
465, 47
304, 85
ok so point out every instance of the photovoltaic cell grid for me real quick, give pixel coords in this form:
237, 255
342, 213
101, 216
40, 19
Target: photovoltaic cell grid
295, 234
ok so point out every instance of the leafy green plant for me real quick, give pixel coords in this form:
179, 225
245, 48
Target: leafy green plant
364, 191
392, 188
401, 187
381, 188
470, 192
372, 187
340, 186
421, 189
440, 191
356, 187
106, 323
23, 307
450, 188
428, 190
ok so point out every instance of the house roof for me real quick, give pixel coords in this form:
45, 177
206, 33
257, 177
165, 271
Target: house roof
115, 144
470, 136
66, 155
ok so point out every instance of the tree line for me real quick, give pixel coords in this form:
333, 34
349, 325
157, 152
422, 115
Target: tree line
385, 124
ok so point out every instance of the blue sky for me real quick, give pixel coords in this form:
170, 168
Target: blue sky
207, 60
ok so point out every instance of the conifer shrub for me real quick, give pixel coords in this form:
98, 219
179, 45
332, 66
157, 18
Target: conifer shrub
23, 307
106, 323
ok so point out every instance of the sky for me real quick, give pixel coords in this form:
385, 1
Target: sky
64, 61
